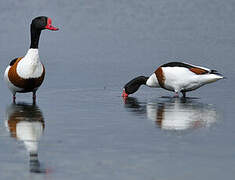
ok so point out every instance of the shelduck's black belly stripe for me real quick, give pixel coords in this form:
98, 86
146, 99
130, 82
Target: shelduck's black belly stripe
26, 84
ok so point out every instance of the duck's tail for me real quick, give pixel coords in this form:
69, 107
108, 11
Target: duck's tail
213, 71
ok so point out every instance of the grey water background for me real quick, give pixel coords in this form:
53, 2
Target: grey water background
90, 131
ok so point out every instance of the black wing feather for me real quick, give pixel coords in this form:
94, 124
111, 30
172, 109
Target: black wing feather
177, 64
13, 61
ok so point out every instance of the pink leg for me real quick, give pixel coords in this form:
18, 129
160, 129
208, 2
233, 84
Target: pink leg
176, 95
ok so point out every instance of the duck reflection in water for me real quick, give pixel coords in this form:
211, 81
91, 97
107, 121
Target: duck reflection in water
175, 113
25, 122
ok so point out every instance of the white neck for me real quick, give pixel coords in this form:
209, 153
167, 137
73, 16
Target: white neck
152, 81
30, 65
32, 55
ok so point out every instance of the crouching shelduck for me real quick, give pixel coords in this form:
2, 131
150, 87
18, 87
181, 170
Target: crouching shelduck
26, 74
174, 76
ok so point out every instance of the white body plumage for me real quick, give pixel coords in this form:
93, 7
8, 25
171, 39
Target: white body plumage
179, 79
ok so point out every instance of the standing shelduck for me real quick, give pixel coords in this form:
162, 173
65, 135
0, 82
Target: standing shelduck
26, 74
174, 76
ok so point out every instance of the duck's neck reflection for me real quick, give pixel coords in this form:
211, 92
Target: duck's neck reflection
175, 113
25, 122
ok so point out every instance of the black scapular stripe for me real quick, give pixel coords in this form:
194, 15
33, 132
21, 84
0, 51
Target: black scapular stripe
13, 61
177, 64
